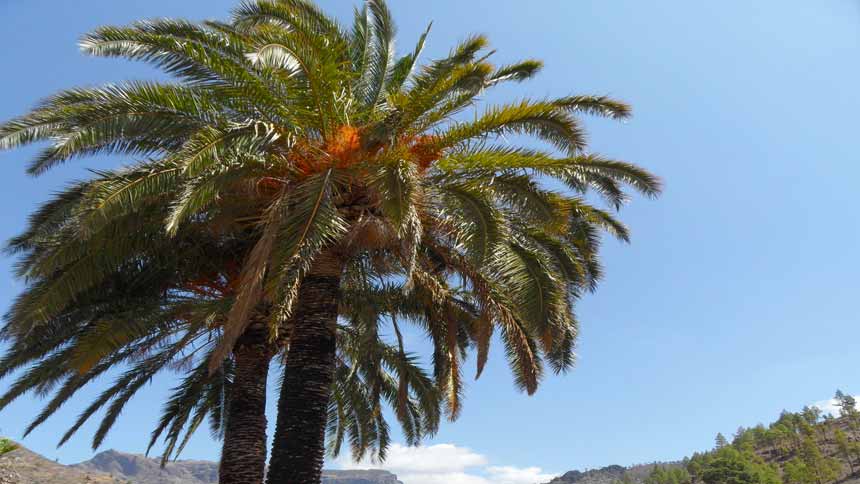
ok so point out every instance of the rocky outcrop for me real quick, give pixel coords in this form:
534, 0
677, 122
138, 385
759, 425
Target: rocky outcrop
605, 475
23, 466
113, 467
143, 470
359, 477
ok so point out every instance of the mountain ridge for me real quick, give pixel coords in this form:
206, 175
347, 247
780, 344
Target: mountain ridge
611, 474
798, 448
24, 466
808, 447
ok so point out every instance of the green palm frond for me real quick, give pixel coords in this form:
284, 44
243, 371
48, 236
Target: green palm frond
595, 105
191, 400
585, 171
77, 381
475, 217
522, 354
40, 377
199, 56
543, 120
437, 71
287, 14
538, 296
405, 66
529, 200
519, 72
251, 281
119, 394
378, 54
125, 193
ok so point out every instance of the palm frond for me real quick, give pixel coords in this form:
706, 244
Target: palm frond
519, 72
311, 224
405, 66
543, 120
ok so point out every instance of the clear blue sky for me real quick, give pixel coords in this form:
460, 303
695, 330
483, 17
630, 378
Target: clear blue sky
738, 295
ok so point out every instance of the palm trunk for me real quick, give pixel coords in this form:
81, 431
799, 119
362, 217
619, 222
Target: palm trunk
298, 450
243, 457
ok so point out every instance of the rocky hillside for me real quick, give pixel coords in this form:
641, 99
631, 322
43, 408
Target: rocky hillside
26, 467
137, 468
605, 475
799, 448
611, 474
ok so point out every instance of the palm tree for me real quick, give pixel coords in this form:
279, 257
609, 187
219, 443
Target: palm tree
344, 169
158, 310
104, 300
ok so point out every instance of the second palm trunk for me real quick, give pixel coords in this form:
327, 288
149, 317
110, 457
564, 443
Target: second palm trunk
298, 450
243, 459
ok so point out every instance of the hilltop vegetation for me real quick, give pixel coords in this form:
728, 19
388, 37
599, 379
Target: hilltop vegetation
807, 447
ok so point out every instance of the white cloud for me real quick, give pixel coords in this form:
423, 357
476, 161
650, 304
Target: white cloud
829, 406
516, 475
448, 464
446, 478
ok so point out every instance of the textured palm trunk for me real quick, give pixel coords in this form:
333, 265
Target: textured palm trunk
243, 457
298, 450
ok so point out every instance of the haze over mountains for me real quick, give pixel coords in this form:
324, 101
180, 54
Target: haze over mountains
112, 467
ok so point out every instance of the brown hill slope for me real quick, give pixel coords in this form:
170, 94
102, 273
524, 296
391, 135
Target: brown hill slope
138, 468
112, 467
23, 466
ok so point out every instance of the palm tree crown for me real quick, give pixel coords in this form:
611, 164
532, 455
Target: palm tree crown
317, 152
159, 312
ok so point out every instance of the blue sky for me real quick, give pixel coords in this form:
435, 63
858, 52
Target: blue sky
737, 297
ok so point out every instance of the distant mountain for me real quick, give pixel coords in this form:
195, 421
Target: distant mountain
605, 475
143, 470
610, 474
112, 467
359, 477
23, 466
